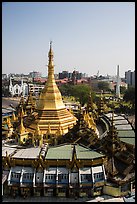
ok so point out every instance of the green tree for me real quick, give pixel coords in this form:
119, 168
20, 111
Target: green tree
122, 89
66, 89
129, 95
103, 85
81, 93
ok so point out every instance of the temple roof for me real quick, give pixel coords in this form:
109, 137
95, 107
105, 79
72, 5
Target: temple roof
124, 129
59, 152
86, 153
28, 153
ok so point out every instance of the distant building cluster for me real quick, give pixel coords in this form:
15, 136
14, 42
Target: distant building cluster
21, 84
66, 74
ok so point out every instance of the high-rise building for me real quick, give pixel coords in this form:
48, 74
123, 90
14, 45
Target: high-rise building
130, 77
63, 74
35, 74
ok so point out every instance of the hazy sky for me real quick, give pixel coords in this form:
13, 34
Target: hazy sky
87, 36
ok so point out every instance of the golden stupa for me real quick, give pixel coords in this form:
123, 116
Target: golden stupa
51, 111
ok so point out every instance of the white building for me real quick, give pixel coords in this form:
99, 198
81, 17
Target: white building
118, 83
18, 88
35, 88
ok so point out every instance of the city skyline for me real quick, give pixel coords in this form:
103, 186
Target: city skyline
87, 37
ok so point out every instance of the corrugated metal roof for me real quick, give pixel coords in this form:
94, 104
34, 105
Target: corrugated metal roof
124, 127
9, 150
29, 153
126, 133
128, 140
122, 122
86, 153
60, 152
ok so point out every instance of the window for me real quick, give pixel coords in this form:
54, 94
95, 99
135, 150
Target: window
31, 176
50, 176
86, 177
99, 176
62, 177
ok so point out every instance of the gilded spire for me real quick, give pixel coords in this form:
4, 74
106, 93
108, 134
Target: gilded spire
9, 122
37, 131
21, 101
50, 51
13, 117
30, 99
50, 97
21, 128
50, 64
22, 112
49, 129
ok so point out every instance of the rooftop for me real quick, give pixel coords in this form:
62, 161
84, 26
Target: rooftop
126, 133
125, 130
29, 153
86, 153
60, 152
9, 150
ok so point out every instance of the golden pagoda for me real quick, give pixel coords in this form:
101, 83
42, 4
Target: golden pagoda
21, 128
13, 118
90, 121
91, 107
50, 108
21, 132
30, 103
